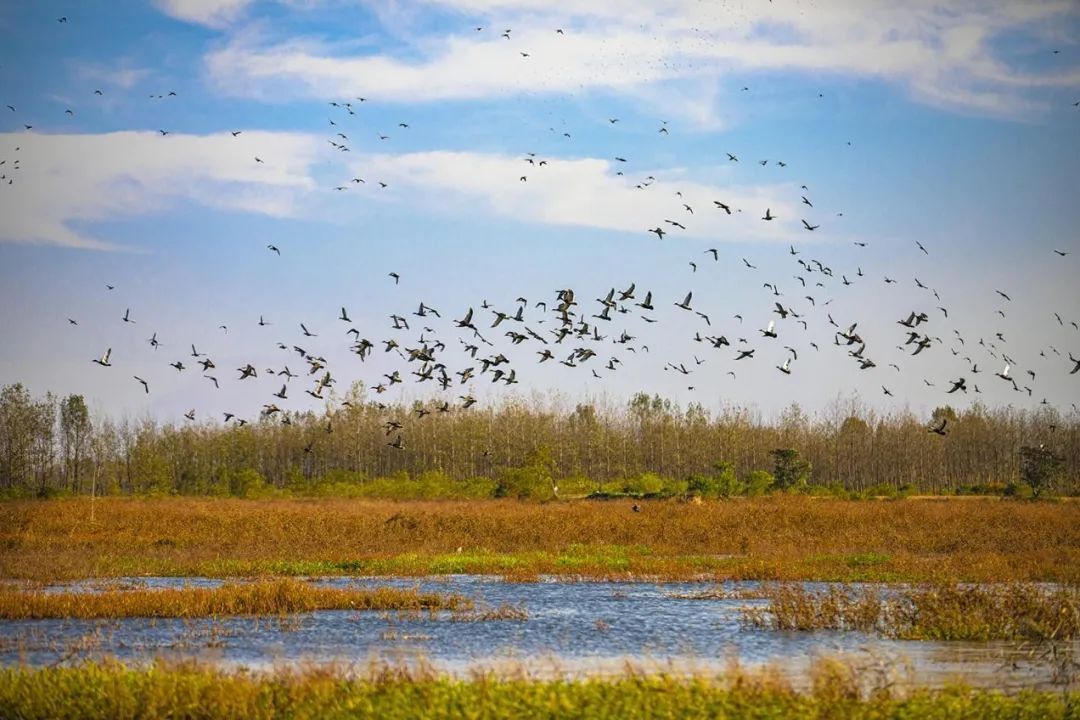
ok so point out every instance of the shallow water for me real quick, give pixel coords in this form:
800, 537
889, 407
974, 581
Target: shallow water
572, 629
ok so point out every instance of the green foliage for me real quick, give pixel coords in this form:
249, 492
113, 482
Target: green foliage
533, 480
790, 471
759, 482
646, 484
721, 482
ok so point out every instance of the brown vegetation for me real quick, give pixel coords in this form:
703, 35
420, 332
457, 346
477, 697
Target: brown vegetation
770, 538
1008, 611
265, 597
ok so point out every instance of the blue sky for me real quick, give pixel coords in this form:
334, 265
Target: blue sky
952, 124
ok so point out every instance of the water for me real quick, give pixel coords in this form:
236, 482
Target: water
572, 629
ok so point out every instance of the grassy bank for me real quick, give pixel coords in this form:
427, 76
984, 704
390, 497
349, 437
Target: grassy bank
943, 612
771, 538
266, 597
113, 691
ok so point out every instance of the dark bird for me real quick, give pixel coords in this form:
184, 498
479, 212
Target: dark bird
960, 384
143, 383
938, 426
810, 227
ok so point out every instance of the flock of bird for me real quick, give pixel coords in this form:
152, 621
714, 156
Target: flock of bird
453, 349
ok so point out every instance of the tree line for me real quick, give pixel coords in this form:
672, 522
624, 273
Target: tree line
51, 445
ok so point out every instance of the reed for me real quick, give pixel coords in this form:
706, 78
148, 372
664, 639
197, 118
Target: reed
267, 597
110, 690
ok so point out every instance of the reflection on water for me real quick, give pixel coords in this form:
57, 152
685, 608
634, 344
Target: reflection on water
572, 628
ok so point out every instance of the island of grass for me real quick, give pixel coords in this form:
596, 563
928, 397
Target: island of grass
262, 597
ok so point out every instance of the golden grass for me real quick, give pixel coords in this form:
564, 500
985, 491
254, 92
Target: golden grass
110, 690
1010, 611
264, 597
772, 538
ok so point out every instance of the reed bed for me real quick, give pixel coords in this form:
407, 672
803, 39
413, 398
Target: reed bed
770, 538
266, 597
1011, 611
111, 690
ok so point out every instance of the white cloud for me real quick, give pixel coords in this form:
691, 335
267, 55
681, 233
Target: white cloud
67, 179
942, 54
213, 13
586, 192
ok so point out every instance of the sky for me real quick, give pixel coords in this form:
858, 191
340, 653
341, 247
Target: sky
160, 148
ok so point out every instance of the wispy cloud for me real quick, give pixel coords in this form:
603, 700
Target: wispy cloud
942, 54
64, 180
585, 192
212, 13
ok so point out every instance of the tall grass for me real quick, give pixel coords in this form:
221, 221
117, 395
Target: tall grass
771, 538
1013, 611
267, 597
110, 690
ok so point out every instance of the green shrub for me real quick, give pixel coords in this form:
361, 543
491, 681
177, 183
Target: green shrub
759, 482
790, 471
646, 484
